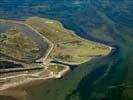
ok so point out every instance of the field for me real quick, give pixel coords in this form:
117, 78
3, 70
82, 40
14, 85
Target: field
68, 47
18, 46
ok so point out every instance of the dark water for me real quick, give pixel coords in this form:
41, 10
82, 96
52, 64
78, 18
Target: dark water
105, 21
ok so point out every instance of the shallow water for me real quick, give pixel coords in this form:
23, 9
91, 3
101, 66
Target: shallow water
98, 20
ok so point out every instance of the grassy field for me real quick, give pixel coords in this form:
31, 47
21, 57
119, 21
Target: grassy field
67, 46
15, 44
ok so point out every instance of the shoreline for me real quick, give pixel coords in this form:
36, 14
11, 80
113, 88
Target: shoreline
42, 59
60, 75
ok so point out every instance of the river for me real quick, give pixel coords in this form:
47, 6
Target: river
106, 21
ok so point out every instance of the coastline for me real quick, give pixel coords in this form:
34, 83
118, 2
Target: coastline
30, 80
60, 74
81, 38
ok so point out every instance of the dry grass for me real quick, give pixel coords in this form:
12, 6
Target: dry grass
68, 46
15, 44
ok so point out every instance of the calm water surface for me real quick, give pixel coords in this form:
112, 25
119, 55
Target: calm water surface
98, 20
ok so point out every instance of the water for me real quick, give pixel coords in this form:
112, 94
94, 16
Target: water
105, 21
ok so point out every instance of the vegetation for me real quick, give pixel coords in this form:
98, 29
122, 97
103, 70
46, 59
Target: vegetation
15, 44
67, 46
